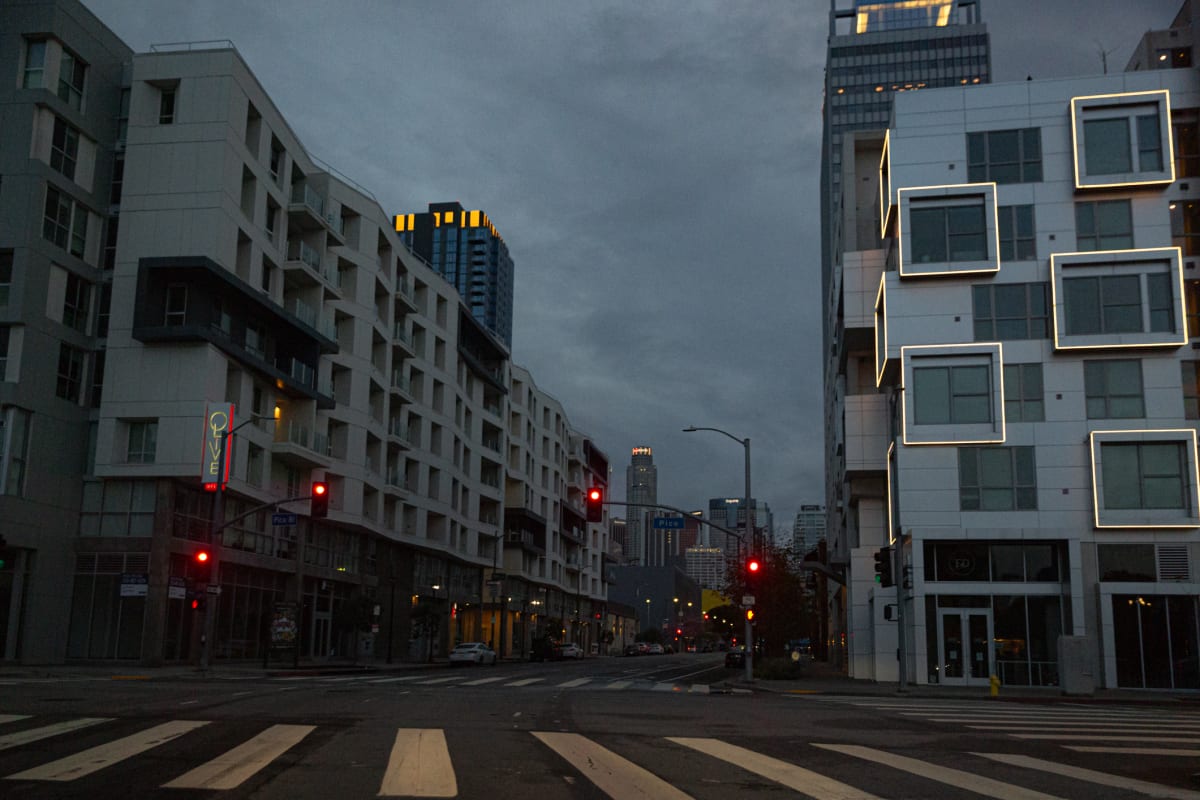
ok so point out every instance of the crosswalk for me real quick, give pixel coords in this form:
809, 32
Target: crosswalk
424, 762
466, 679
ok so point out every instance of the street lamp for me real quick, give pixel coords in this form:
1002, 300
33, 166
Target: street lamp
647, 614
748, 534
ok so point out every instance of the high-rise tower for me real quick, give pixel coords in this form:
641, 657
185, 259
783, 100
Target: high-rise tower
641, 486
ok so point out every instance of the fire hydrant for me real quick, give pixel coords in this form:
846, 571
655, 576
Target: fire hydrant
994, 684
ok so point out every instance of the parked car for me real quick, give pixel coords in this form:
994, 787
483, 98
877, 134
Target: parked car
473, 653
571, 650
545, 649
632, 650
655, 649
735, 658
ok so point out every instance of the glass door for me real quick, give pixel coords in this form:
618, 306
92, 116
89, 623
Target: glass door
964, 645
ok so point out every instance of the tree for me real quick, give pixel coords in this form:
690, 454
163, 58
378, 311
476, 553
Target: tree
780, 606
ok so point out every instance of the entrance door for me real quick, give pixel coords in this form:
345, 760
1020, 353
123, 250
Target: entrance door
964, 645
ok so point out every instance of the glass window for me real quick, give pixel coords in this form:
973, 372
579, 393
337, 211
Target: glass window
1023, 397
1011, 311
76, 302
952, 395
1017, 238
1149, 143
997, 479
1012, 156
14, 450
957, 560
166, 105
1191, 389
70, 372
1103, 304
64, 222
71, 73
1187, 142
35, 65
948, 233
176, 307
1146, 475
1185, 226
1114, 389
4, 336
64, 148
143, 440
1103, 225
1107, 146
6, 273
1127, 562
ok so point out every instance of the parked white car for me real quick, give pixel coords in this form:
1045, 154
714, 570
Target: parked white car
473, 653
572, 650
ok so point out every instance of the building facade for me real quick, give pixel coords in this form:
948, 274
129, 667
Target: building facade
1020, 383
641, 493
729, 512
808, 529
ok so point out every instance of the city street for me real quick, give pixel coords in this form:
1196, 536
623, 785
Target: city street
652, 726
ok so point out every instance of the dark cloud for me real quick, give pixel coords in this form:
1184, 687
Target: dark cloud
653, 167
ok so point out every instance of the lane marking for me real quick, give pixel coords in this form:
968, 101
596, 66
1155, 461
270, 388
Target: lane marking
574, 683
525, 682
12, 717
1047, 728
617, 777
784, 773
663, 687
1092, 776
1137, 751
341, 680
97, 758
1091, 738
482, 681
37, 734
230, 770
419, 766
700, 688
618, 684
441, 680
951, 777
395, 680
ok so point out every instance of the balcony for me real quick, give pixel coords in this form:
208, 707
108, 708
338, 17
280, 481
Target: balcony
402, 339
307, 208
395, 482
299, 446
861, 272
398, 432
404, 292
400, 386
867, 441
304, 312
303, 262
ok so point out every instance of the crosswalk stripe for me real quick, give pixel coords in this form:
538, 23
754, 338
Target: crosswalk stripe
784, 773
699, 688
230, 770
1047, 728
482, 681
952, 777
617, 777
45, 732
574, 683
440, 680
12, 717
1136, 751
1092, 776
618, 684
419, 765
663, 687
97, 758
524, 682
342, 679
1083, 737
1119, 720
395, 680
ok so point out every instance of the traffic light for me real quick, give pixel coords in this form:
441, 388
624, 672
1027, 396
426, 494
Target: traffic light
199, 601
750, 615
883, 567
678, 631
202, 566
320, 500
753, 568
595, 504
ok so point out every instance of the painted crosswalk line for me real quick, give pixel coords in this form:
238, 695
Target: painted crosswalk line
97, 758
618, 684
230, 770
395, 680
784, 773
419, 766
1136, 751
482, 681
440, 680
987, 787
12, 718
1092, 776
47, 731
574, 683
1087, 737
525, 682
616, 776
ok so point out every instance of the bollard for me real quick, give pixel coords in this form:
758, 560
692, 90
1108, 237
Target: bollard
994, 683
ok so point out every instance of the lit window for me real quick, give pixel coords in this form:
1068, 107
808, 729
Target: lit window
1013, 156
1185, 226
997, 479
1103, 225
1024, 399
1114, 389
1185, 132
143, 441
71, 74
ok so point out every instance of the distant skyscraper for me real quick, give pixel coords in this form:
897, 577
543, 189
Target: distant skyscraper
727, 512
465, 249
706, 566
641, 487
809, 528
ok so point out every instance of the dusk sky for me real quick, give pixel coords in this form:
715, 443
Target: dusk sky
653, 167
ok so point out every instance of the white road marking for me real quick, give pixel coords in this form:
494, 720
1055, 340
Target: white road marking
97, 758
618, 684
482, 681
1135, 751
37, 734
574, 683
419, 766
230, 770
784, 773
1083, 737
12, 717
951, 777
617, 777
395, 680
440, 680
524, 682
1092, 776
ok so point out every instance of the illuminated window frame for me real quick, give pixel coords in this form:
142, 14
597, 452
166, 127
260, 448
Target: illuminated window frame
885, 185
975, 353
1123, 104
881, 337
1145, 518
952, 192
1118, 262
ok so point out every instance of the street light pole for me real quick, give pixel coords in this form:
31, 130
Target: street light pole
749, 537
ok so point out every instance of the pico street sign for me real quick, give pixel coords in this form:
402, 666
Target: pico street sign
283, 519
668, 523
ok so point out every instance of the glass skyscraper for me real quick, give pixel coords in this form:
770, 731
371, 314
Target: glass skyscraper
641, 486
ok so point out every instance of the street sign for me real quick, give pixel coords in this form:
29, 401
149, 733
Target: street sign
212, 589
747, 600
283, 519
668, 523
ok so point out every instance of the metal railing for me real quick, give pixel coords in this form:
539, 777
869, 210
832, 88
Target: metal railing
308, 196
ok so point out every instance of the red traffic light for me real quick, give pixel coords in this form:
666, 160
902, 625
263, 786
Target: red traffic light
595, 504
319, 502
202, 556
320, 489
753, 566
594, 495
678, 631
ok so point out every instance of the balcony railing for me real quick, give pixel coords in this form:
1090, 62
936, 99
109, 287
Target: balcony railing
399, 333
304, 312
308, 196
397, 428
293, 432
400, 382
332, 275
301, 373
303, 251
395, 477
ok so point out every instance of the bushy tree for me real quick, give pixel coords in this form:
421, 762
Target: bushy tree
779, 597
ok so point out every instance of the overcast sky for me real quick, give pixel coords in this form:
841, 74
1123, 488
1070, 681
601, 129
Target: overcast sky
653, 167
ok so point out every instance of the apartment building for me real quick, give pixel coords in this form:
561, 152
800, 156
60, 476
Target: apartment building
1016, 353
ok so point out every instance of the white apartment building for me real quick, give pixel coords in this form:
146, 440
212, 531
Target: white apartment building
1017, 399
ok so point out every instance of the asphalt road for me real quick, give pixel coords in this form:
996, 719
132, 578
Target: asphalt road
647, 727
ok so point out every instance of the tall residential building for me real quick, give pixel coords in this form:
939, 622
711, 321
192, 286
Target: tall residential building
706, 566
729, 512
877, 52
641, 492
808, 528
464, 248
1022, 389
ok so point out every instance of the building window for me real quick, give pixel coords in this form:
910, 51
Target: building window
35, 65
997, 479
1112, 145
1013, 156
123, 118
1173, 58
176, 305
76, 302
1114, 389
6, 273
1017, 237
64, 148
1103, 225
143, 440
255, 459
1144, 475
1108, 304
14, 449
1024, 400
4, 339
1187, 142
1185, 226
947, 234
104, 312
110, 242
71, 74
118, 180
166, 105
947, 230
1191, 388
97, 390
65, 222
1120, 139
70, 372
952, 395
1008, 311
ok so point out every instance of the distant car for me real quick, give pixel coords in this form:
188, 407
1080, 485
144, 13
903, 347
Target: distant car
691, 648
473, 653
571, 650
545, 649
735, 658
632, 650
655, 649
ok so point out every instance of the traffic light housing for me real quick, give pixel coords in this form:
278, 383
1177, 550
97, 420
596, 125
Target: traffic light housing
750, 615
754, 568
202, 565
199, 601
883, 567
319, 507
595, 504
